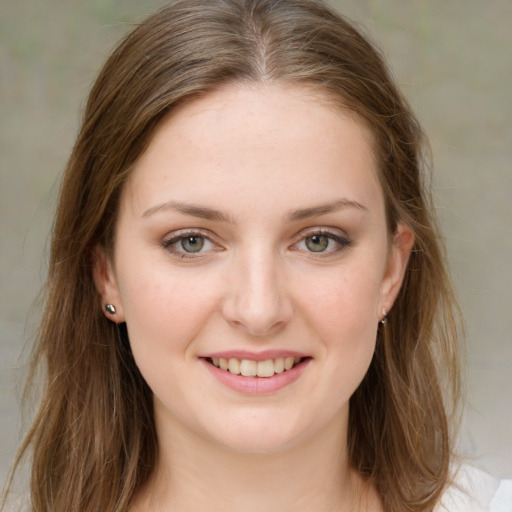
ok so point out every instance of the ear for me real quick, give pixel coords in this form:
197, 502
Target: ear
106, 285
398, 257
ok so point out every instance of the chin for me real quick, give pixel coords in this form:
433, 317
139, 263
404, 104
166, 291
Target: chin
258, 435
259, 444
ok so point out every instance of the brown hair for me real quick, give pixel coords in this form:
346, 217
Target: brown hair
93, 440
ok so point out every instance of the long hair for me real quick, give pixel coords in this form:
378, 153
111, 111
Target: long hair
93, 440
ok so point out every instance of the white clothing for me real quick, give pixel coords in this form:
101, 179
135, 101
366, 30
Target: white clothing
476, 491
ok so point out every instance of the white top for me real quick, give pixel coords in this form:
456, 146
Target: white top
473, 491
476, 491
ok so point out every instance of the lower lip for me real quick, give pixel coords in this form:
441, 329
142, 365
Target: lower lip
257, 385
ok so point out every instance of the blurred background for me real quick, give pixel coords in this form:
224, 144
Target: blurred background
453, 59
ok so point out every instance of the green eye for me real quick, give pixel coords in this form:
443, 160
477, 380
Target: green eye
317, 243
192, 243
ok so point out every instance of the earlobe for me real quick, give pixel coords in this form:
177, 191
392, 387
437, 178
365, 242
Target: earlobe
106, 286
400, 250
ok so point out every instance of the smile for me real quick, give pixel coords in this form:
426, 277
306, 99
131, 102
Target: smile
251, 368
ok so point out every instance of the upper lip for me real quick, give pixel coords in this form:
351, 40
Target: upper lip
254, 356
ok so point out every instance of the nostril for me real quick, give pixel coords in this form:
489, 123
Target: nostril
259, 304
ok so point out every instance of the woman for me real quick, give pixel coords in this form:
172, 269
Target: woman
247, 304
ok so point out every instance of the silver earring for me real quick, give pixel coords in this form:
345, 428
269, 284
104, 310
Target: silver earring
110, 308
384, 316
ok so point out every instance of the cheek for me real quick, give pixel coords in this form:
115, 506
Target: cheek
344, 301
164, 311
341, 310
163, 318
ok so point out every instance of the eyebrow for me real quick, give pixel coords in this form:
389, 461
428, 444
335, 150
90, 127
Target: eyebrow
322, 209
201, 212
204, 212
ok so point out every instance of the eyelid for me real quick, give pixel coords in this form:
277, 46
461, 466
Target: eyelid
175, 236
335, 234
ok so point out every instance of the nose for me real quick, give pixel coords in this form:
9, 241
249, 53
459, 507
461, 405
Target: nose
257, 299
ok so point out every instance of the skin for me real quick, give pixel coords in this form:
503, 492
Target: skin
277, 165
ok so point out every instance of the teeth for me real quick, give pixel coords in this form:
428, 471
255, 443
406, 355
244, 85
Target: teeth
279, 365
250, 368
288, 362
265, 368
234, 366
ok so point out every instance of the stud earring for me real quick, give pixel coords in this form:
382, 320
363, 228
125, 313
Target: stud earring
384, 319
110, 308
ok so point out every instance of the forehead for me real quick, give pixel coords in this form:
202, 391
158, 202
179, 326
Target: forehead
245, 142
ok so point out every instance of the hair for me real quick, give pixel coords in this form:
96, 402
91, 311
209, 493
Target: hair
93, 441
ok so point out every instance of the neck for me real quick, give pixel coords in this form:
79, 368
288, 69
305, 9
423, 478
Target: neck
194, 474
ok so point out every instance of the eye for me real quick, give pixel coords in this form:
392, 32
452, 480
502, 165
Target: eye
192, 243
323, 242
188, 244
317, 243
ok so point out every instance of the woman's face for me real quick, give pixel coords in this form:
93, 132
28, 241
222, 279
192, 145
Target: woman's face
252, 235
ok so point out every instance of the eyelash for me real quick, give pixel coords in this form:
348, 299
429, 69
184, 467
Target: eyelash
342, 242
170, 243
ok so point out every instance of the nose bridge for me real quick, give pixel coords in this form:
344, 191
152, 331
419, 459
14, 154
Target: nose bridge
258, 299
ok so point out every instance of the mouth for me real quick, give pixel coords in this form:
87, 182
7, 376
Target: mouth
251, 368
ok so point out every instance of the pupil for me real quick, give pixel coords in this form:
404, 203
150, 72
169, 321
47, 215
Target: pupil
192, 243
317, 243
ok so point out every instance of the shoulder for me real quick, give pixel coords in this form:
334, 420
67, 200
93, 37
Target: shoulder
474, 490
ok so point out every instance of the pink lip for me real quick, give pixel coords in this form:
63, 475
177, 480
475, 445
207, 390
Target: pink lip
255, 356
256, 385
